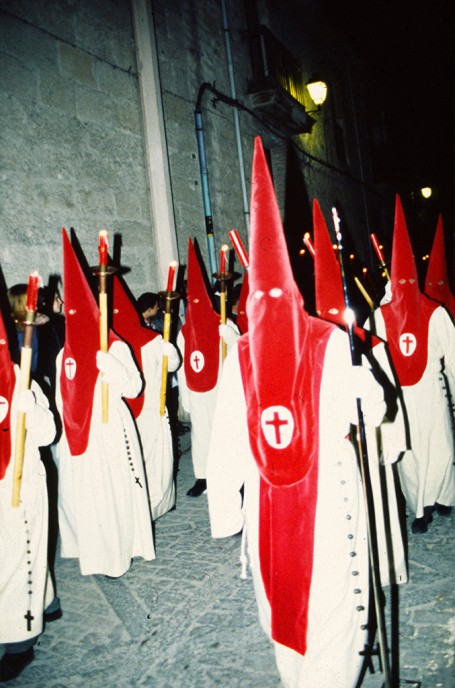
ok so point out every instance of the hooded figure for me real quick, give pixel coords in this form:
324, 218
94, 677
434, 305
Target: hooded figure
437, 285
421, 340
104, 513
148, 348
385, 444
26, 588
281, 422
199, 343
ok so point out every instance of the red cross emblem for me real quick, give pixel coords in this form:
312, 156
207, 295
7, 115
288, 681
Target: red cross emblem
70, 368
3, 408
197, 361
408, 343
277, 424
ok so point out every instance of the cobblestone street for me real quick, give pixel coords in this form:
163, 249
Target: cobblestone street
187, 620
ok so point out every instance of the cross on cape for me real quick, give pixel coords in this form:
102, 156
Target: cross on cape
409, 342
197, 361
277, 423
3, 408
70, 363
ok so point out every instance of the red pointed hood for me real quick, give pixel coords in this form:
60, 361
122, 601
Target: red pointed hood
82, 340
329, 291
202, 339
275, 305
437, 285
126, 323
281, 361
7, 382
407, 315
328, 284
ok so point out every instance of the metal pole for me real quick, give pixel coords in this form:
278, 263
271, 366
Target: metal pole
369, 512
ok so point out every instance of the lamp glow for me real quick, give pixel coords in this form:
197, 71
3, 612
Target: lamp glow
426, 191
317, 90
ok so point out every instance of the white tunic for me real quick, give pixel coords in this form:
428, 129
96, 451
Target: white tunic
426, 470
24, 530
386, 445
201, 407
104, 513
339, 592
154, 430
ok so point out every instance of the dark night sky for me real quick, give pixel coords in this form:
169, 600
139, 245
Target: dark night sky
410, 46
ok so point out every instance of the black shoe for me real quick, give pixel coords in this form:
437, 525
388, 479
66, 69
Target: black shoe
419, 525
442, 509
12, 665
428, 514
199, 487
53, 616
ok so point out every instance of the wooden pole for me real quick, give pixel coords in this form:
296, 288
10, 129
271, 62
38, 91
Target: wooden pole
24, 384
169, 295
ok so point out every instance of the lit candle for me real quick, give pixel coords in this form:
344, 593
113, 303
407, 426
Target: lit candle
103, 246
223, 252
32, 292
309, 244
171, 275
239, 248
377, 248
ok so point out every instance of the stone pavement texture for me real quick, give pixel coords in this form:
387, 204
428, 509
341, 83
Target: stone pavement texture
187, 620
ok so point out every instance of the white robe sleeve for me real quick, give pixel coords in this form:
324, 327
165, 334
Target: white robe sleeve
131, 384
40, 422
184, 392
226, 468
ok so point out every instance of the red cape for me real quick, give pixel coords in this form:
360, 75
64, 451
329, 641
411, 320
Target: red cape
82, 340
407, 315
127, 325
201, 331
281, 362
7, 382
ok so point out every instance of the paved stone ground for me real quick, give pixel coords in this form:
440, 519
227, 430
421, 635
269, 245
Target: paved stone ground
187, 620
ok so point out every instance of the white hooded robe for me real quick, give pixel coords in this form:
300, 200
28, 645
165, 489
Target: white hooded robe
104, 512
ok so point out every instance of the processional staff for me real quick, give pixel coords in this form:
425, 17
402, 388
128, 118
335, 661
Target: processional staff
24, 383
239, 248
308, 243
364, 470
169, 295
104, 316
222, 276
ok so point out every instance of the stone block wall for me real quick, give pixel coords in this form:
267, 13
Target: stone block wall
72, 136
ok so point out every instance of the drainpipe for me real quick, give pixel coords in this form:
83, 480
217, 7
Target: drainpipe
246, 211
205, 183
161, 205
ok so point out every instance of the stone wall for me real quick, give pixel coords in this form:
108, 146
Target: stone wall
72, 137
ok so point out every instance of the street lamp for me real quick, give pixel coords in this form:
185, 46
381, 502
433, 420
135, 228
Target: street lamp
317, 90
426, 191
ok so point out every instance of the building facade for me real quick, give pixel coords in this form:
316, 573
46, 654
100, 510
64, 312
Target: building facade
139, 116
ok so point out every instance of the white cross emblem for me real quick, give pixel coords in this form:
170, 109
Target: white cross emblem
197, 361
277, 424
408, 343
70, 368
3, 408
